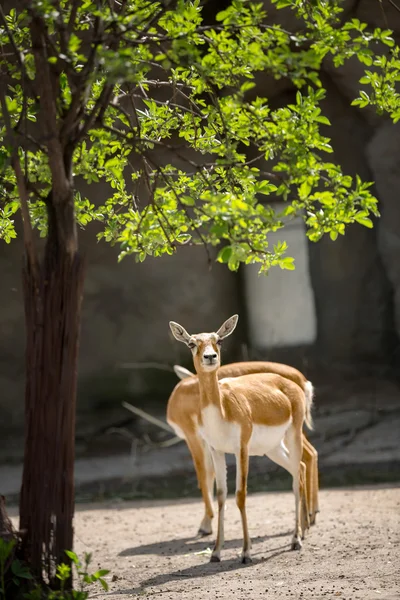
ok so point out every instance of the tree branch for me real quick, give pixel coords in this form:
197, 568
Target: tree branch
48, 109
62, 29
184, 208
98, 110
72, 16
394, 5
81, 93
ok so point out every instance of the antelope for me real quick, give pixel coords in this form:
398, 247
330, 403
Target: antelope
183, 415
248, 415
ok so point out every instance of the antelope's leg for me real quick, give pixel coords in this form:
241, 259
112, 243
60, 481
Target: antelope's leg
242, 470
202, 465
290, 460
295, 447
210, 474
315, 487
304, 510
308, 460
309, 449
222, 490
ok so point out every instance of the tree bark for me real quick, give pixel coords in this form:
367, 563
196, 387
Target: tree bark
52, 298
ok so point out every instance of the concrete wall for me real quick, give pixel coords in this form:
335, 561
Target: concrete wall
126, 310
281, 306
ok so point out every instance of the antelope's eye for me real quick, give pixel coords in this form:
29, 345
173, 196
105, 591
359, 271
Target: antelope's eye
219, 343
192, 345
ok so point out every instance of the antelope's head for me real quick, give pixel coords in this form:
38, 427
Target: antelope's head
205, 347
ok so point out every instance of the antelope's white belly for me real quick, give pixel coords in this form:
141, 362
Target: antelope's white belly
225, 436
266, 437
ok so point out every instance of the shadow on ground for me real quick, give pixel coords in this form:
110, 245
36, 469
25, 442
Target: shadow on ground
190, 544
208, 569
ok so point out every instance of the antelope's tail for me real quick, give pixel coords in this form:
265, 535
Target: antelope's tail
309, 394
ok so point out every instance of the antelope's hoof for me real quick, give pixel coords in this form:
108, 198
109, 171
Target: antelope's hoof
215, 558
203, 532
296, 545
246, 560
313, 518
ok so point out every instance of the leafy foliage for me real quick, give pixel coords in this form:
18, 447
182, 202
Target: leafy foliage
5, 553
21, 573
160, 107
384, 83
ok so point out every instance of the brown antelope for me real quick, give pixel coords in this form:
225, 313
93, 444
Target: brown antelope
183, 415
247, 415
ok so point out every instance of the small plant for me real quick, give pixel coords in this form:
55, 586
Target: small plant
14, 568
82, 571
64, 574
6, 549
13, 572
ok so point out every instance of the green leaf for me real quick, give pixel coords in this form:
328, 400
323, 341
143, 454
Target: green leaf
73, 556
247, 85
305, 189
233, 263
188, 200
20, 570
283, 3
101, 573
104, 584
287, 263
224, 254
322, 119
265, 187
364, 221
6, 549
183, 238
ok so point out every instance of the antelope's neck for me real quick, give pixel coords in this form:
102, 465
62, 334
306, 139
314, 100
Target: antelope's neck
209, 389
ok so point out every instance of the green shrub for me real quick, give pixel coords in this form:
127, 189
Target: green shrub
15, 577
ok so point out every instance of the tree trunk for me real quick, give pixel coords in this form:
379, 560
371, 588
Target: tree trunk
52, 298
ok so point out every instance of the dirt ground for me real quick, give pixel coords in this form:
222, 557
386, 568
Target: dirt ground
351, 553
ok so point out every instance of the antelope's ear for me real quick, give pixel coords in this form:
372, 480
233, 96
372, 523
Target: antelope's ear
182, 372
228, 327
179, 332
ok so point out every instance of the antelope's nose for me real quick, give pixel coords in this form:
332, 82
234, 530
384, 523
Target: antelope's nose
211, 356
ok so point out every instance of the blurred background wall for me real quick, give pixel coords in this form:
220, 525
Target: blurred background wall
339, 312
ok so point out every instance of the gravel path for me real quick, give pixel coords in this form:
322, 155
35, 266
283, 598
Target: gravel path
352, 553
